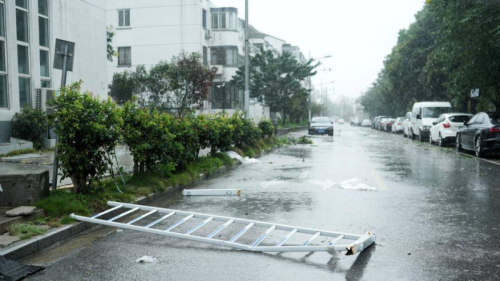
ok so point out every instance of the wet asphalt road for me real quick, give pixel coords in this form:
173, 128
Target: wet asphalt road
435, 214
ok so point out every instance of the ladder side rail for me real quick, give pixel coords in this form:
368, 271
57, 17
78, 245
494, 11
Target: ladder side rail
162, 232
243, 221
270, 249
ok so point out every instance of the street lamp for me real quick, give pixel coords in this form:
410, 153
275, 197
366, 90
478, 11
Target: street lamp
247, 64
310, 86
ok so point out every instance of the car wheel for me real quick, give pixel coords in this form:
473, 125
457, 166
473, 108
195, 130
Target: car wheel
404, 134
441, 141
412, 136
458, 145
430, 140
479, 147
420, 136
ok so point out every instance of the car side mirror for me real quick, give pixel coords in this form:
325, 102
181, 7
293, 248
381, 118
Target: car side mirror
419, 117
332, 123
434, 123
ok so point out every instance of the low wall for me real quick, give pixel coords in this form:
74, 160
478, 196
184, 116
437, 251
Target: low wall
23, 188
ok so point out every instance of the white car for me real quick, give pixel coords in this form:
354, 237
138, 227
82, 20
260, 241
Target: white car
397, 127
445, 129
341, 122
423, 115
406, 125
366, 123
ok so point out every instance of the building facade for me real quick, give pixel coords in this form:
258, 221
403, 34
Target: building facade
28, 32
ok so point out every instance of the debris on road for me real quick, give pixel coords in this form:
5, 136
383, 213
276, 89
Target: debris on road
356, 244
211, 192
246, 160
146, 259
355, 184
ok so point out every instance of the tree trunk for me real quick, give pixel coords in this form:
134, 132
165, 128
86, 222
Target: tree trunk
136, 168
142, 168
80, 182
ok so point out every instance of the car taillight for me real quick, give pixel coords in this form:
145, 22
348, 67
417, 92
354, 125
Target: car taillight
495, 130
399, 123
447, 124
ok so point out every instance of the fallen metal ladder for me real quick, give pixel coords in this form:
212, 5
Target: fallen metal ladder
358, 242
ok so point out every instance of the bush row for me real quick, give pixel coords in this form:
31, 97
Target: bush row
89, 129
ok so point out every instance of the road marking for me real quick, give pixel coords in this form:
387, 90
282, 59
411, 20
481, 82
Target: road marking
380, 183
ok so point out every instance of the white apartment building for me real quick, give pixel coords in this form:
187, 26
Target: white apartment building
28, 32
149, 31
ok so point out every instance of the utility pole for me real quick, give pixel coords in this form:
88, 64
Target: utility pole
247, 63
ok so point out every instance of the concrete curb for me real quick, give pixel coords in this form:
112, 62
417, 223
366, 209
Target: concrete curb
25, 249
289, 130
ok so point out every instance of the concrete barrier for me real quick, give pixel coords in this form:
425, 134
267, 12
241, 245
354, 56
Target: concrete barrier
23, 188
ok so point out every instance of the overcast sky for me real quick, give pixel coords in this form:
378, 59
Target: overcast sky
358, 34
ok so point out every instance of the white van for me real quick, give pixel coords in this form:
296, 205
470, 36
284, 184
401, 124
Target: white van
422, 117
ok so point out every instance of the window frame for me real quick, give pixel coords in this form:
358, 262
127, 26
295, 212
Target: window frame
124, 18
4, 72
204, 15
45, 48
130, 55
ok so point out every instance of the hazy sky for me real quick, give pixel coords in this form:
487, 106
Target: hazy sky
358, 34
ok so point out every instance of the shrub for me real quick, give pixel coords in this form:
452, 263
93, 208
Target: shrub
245, 132
186, 136
216, 132
88, 130
148, 137
25, 230
30, 124
267, 128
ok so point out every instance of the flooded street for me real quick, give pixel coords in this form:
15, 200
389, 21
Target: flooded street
435, 213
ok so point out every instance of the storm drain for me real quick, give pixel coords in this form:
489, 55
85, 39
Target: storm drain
333, 241
12, 270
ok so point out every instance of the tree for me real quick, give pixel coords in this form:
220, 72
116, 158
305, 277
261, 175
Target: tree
109, 36
129, 84
277, 80
190, 82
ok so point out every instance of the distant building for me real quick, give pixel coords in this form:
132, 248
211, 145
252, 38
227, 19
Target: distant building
28, 32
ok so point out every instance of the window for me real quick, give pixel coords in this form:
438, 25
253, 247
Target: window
205, 55
24, 92
204, 18
23, 59
22, 3
222, 21
123, 18
3, 91
43, 7
44, 63
44, 31
3, 62
2, 20
479, 119
124, 56
45, 84
232, 21
215, 21
22, 25
226, 56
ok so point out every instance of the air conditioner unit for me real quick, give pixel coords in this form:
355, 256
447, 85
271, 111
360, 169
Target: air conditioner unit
208, 34
42, 97
220, 69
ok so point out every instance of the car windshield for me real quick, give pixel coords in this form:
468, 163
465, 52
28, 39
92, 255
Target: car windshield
321, 120
495, 118
434, 112
459, 118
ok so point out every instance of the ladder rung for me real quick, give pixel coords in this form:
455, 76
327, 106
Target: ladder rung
314, 237
143, 216
124, 214
238, 235
159, 220
108, 211
200, 225
286, 238
180, 222
263, 236
220, 228
336, 240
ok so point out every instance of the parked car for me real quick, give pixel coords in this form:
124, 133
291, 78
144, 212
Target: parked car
381, 124
423, 115
388, 124
354, 122
481, 134
366, 123
406, 125
321, 126
445, 129
374, 122
397, 127
341, 122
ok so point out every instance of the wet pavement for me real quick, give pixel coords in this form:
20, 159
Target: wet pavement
435, 213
